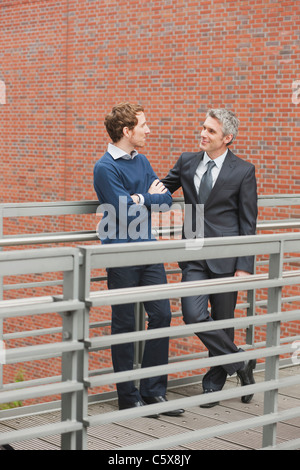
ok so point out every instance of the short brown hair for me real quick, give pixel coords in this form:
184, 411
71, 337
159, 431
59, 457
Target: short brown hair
122, 115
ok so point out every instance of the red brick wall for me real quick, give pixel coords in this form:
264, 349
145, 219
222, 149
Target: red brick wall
65, 63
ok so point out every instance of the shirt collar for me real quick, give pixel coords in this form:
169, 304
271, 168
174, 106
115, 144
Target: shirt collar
218, 161
117, 153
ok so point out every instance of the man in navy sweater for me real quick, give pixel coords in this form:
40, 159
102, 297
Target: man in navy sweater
128, 190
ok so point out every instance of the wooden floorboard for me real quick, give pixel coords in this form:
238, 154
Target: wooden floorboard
139, 430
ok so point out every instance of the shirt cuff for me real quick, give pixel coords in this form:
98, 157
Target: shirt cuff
142, 199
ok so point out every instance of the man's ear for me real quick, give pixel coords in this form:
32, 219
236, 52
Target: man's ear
228, 138
126, 131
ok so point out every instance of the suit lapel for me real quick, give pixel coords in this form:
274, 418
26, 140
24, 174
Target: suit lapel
192, 170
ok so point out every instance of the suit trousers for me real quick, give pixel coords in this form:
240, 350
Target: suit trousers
195, 309
123, 321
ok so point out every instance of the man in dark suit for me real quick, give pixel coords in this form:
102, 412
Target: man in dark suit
226, 185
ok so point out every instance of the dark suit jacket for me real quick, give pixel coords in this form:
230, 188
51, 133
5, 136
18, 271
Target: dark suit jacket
231, 208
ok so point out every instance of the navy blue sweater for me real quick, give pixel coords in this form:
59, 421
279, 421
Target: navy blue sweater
114, 182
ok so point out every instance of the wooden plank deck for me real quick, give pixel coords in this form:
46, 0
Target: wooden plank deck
114, 436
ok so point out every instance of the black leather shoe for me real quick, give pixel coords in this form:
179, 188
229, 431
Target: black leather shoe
160, 399
246, 377
125, 406
212, 404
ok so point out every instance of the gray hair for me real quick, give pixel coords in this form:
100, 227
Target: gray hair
227, 119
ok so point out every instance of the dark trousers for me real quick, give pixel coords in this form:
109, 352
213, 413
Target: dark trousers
195, 309
123, 321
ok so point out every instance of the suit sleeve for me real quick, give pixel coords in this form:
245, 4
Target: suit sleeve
173, 179
247, 215
156, 202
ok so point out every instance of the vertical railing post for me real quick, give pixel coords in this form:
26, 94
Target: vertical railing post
72, 362
251, 300
140, 326
250, 331
273, 339
84, 294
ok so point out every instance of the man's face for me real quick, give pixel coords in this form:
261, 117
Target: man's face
213, 141
138, 135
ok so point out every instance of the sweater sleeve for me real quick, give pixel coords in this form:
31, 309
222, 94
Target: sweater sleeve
109, 188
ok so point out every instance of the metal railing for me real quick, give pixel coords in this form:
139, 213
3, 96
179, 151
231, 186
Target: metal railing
74, 306
65, 260
69, 208
60, 208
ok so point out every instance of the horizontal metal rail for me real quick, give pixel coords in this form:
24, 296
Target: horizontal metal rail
120, 377
42, 351
185, 289
192, 401
184, 330
41, 391
38, 431
120, 254
39, 239
38, 309
100, 324
91, 235
33, 209
59, 208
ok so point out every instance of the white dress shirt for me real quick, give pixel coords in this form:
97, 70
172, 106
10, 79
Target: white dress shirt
116, 153
203, 166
